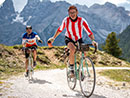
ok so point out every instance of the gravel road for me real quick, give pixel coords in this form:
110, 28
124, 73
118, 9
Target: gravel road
53, 84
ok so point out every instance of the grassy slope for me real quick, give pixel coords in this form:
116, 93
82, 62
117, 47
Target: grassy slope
12, 59
118, 75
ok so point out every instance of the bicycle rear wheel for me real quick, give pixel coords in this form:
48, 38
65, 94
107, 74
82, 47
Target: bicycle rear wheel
71, 80
87, 76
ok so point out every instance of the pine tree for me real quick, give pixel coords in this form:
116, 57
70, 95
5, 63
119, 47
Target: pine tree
111, 45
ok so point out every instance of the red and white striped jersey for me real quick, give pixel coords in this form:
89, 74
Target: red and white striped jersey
74, 29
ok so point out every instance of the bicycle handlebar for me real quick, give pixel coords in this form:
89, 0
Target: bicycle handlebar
85, 47
29, 48
95, 48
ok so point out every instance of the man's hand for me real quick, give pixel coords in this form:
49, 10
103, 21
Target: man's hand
23, 48
51, 39
40, 41
94, 43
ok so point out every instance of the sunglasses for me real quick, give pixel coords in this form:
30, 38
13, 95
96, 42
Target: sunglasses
72, 12
28, 28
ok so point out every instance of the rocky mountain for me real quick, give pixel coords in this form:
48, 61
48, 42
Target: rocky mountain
46, 17
125, 43
10, 32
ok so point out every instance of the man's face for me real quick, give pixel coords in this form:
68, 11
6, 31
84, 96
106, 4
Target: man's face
29, 30
73, 13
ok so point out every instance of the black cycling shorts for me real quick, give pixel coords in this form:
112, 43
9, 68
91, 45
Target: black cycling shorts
32, 47
67, 40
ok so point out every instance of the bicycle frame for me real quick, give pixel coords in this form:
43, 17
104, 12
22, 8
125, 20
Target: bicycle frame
30, 61
81, 64
30, 64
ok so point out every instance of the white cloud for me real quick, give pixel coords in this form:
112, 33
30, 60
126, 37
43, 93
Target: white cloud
19, 4
1, 1
127, 5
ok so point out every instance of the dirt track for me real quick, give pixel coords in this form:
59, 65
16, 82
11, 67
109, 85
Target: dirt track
53, 84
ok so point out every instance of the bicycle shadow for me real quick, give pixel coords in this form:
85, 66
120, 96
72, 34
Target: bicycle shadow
80, 95
39, 81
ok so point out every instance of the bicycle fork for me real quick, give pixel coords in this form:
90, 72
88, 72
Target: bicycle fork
86, 65
30, 63
77, 70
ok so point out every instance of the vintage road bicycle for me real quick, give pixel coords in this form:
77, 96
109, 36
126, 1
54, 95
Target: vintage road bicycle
84, 71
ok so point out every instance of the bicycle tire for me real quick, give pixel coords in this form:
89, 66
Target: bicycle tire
71, 80
87, 77
30, 69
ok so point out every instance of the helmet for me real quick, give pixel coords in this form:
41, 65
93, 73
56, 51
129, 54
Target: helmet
28, 27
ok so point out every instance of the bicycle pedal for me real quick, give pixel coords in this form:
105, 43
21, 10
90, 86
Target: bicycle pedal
71, 75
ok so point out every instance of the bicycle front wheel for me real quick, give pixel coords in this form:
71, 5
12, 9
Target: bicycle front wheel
87, 76
71, 80
30, 69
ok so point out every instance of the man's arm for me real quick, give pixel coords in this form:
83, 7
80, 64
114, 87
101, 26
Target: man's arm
94, 43
92, 37
23, 42
89, 32
59, 30
56, 34
38, 38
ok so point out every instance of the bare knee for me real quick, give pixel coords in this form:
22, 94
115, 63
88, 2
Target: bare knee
71, 47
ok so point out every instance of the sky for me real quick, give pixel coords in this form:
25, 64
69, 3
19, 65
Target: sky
19, 4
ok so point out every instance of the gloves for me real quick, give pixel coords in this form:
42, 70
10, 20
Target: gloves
94, 43
51, 40
40, 41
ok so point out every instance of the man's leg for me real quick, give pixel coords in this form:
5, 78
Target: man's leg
26, 63
72, 48
71, 56
34, 57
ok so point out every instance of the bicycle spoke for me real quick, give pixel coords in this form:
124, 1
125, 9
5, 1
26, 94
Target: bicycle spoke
70, 79
87, 77
30, 68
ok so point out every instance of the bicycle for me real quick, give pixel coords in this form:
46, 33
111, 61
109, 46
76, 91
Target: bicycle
30, 63
85, 73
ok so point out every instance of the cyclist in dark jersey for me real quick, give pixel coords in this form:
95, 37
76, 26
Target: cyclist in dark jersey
29, 40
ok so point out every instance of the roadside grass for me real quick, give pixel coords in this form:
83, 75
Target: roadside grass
117, 75
9, 72
101, 65
50, 66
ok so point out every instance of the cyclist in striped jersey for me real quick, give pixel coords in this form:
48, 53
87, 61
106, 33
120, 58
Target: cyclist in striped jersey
74, 26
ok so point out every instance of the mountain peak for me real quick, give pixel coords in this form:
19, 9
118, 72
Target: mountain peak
45, 0
8, 7
108, 4
33, 1
95, 6
8, 4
